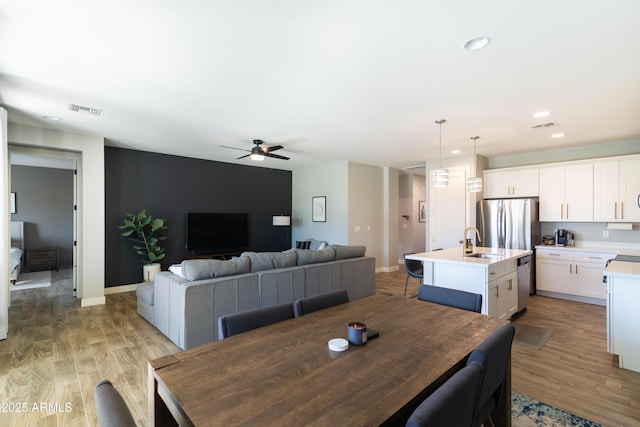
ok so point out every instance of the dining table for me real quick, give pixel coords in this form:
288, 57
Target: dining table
285, 374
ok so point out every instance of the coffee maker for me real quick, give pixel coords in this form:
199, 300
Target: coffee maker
561, 237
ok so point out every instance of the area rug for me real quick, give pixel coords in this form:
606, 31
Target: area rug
526, 412
531, 336
37, 279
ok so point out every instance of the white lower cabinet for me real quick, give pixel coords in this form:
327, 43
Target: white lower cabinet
622, 323
572, 273
503, 296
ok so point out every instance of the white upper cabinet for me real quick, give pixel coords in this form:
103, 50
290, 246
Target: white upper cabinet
566, 193
617, 191
509, 183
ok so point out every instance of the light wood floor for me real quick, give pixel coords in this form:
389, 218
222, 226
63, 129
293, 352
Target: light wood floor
57, 351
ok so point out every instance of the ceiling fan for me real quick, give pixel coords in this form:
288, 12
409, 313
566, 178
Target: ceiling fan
259, 152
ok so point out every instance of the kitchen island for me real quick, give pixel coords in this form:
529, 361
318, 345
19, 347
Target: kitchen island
490, 272
623, 294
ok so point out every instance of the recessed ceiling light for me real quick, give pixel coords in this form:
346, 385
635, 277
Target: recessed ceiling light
557, 135
540, 114
455, 151
54, 118
477, 43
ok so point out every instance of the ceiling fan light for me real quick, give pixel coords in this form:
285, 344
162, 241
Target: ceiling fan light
474, 184
257, 157
440, 177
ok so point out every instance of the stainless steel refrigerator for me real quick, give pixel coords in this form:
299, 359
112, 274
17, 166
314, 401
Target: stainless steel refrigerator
512, 224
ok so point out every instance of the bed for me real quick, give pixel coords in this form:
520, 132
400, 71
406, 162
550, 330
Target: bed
17, 248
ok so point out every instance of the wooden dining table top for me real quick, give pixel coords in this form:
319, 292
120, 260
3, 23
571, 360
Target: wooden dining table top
285, 374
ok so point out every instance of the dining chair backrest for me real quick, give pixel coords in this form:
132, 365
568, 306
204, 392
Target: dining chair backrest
453, 403
451, 297
414, 268
233, 324
110, 406
320, 301
493, 355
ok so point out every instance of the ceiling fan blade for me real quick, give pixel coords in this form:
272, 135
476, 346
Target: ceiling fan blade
276, 156
274, 148
233, 148
242, 157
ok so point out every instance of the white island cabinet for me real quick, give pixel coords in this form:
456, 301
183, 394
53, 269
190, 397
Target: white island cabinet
623, 297
490, 272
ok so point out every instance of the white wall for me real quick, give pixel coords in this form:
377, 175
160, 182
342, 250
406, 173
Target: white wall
330, 180
356, 197
91, 209
366, 209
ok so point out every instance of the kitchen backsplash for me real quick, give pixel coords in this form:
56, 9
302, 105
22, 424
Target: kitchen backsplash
593, 231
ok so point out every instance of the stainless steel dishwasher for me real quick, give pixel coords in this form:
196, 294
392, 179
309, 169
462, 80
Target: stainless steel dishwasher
524, 281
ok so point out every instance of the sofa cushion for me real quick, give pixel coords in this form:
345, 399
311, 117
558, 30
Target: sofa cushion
144, 292
307, 256
344, 252
199, 269
269, 260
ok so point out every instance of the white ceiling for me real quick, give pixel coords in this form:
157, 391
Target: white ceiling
329, 80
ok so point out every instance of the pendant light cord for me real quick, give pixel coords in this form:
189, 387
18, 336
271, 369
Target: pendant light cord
440, 122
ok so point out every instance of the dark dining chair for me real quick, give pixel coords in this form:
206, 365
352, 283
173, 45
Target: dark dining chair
451, 297
111, 407
453, 403
414, 269
320, 301
233, 324
493, 355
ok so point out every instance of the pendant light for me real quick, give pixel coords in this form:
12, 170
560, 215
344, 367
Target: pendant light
474, 183
440, 176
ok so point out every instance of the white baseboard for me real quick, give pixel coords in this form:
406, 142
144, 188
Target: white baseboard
120, 289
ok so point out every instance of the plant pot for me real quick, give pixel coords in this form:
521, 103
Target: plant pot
149, 271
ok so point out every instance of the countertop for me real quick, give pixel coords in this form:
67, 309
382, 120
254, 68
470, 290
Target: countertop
623, 269
456, 255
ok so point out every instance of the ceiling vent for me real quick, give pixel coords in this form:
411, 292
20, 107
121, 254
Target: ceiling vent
545, 125
88, 110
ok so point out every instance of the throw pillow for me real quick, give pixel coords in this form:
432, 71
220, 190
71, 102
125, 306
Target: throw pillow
303, 244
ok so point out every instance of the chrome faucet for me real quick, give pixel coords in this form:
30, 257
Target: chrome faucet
468, 246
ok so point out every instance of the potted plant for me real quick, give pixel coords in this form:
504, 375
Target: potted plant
142, 229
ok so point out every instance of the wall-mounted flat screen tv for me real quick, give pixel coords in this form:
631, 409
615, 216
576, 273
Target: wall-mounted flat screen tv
217, 232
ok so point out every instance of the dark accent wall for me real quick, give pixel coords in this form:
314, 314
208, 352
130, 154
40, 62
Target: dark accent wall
45, 204
170, 186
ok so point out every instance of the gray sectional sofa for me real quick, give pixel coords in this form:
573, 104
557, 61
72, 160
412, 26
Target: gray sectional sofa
186, 306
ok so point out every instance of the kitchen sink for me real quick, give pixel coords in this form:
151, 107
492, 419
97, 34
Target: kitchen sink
485, 255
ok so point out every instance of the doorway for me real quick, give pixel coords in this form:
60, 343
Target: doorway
45, 183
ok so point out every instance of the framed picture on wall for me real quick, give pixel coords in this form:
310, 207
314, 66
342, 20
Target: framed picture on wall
319, 209
422, 211
14, 207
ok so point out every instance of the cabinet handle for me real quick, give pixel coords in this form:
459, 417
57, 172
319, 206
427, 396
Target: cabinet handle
622, 210
497, 291
576, 268
567, 210
615, 210
561, 211
570, 268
